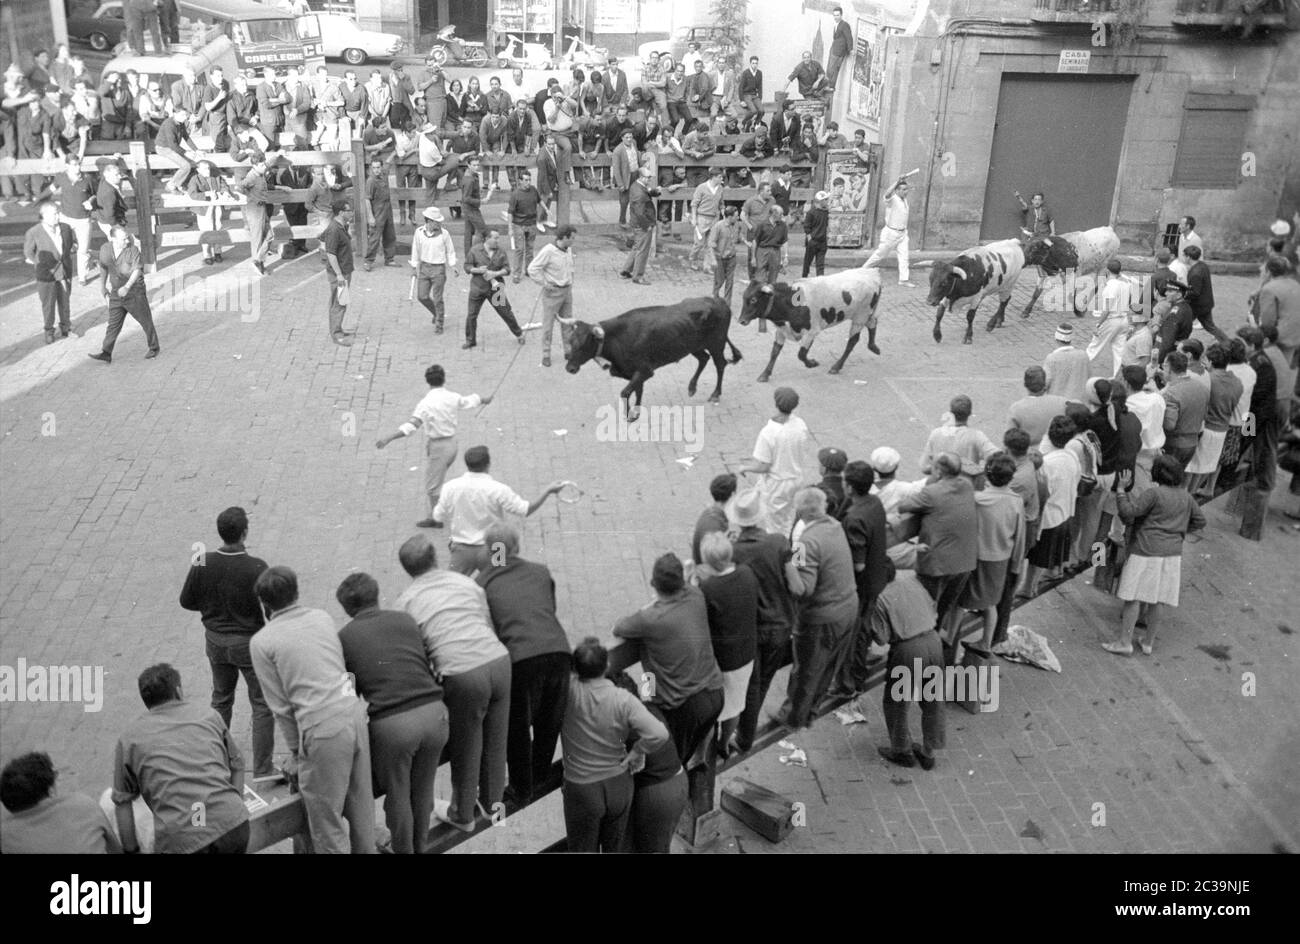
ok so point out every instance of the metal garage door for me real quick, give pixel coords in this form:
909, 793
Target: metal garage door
1060, 134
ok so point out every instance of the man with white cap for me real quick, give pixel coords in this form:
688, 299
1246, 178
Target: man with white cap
1067, 366
433, 254
815, 225
435, 163
1139, 341
884, 462
766, 555
778, 460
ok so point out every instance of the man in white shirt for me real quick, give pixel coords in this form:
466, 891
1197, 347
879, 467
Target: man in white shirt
971, 446
1113, 306
437, 413
553, 268
1067, 366
893, 237
779, 454
1187, 236
473, 502
433, 254
435, 163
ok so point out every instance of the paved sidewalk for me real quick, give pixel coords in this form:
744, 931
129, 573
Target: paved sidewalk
1166, 747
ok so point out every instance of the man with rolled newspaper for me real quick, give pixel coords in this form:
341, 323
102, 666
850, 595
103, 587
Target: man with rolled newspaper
893, 235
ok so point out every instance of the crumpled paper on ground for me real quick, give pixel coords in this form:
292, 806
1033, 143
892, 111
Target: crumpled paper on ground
796, 758
1024, 645
850, 714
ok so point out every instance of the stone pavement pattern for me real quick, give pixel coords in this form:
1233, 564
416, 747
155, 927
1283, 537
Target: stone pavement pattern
100, 518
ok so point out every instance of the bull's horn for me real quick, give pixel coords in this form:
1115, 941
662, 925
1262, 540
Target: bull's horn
567, 321
766, 288
959, 272
598, 331
1047, 242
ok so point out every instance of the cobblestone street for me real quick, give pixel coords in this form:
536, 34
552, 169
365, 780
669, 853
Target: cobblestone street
113, 476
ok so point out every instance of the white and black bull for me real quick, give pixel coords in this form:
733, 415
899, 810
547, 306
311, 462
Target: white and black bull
1069, 257
633, 345
803, 309
973, 276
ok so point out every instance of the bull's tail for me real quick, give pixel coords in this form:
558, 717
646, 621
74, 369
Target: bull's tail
735, 352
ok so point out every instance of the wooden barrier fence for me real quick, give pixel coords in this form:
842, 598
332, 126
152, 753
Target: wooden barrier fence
141, 166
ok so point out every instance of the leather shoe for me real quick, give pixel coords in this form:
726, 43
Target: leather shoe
428, 523
467, 345
925, 760
152, 354
546, 360
101, 357
342, 340
902, 760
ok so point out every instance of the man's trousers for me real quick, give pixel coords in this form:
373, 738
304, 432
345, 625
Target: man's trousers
335, 782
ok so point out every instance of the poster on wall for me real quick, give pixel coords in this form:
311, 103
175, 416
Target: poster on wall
809, 109
869, 72
615, 16
509, 16
846, 180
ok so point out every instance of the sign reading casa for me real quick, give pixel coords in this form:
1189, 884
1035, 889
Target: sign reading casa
1074, 60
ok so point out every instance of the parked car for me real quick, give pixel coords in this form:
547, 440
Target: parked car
343, 39
715, 42
101, 26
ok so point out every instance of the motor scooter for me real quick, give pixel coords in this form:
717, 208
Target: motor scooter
449, 48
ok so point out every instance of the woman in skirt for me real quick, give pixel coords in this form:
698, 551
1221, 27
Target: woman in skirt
1061, 469
1225, 392
1000, 529
731, 592
209, 186
1162, 516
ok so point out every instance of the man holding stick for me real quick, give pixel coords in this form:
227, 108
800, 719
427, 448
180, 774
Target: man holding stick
893, 236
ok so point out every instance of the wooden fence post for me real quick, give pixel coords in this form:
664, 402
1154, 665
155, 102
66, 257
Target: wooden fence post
144, 215
360, 229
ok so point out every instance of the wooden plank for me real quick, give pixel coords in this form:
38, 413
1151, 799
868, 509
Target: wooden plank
765, 811
281, 820
231, 237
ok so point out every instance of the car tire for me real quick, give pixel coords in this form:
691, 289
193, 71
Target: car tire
98, 42
354, 57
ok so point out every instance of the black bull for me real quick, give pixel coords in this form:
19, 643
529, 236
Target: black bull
633, 345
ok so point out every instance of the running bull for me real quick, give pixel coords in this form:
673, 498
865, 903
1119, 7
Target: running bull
851, 295
974, 275
1070, 254
633, 345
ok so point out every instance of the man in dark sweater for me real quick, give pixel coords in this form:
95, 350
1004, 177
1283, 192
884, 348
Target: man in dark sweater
384, 651
865, 527
713, 518
1200, 293
220, 587
766, 555
815, 225
521, 599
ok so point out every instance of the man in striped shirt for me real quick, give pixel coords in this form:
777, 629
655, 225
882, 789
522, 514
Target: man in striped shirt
553, 268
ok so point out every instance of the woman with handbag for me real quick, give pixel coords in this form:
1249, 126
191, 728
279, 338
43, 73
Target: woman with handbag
1162, 517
